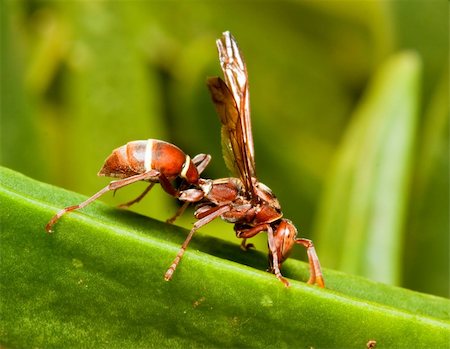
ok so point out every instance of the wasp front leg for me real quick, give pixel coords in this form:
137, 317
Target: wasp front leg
315, 270
285, 236
248, 233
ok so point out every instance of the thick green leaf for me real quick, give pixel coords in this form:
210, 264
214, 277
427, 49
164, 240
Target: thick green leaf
430, 201
98, 282
364, 207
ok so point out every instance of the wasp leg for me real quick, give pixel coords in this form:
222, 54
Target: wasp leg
179, 212
139, 198
273, 250
245, 234
244, 246
201, 161
167, 186
111, 186
248, 233
315, 270
200, 223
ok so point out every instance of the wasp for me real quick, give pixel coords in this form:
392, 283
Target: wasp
241, 200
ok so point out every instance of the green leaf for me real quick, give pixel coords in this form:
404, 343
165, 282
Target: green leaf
361, 220
97, 281
430, 201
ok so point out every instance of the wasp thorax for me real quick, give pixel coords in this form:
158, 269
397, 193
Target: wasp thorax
266, 195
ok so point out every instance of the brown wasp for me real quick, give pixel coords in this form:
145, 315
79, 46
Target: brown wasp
242, 200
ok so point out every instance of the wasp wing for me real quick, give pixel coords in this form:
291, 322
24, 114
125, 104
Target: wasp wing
232, 135
231, 99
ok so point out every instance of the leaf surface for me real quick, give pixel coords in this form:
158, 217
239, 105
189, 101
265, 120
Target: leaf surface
97, 281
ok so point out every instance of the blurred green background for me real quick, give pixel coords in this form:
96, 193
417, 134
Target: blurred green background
349, 107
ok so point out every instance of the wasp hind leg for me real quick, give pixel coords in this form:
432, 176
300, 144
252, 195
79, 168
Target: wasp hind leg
139, 198
111, 186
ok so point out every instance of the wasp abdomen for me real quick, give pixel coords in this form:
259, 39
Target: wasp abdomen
166, 158
125, 161
152, 154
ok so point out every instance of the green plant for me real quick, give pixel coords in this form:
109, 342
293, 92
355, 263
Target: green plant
97, 281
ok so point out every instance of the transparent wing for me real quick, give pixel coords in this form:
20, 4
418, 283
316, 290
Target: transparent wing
232, 132
231, 99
